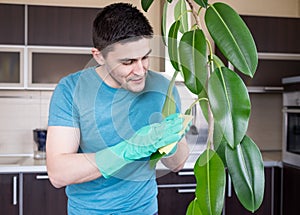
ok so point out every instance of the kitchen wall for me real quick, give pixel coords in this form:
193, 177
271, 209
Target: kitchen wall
265, 125
20, 113
23, 111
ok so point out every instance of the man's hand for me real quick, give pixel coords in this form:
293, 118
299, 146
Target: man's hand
142, 144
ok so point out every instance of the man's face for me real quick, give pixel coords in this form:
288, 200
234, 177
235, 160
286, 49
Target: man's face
127, 64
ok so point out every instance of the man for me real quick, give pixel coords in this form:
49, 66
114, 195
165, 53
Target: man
105, 122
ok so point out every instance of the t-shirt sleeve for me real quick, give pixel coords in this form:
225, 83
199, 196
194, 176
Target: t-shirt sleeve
62, 110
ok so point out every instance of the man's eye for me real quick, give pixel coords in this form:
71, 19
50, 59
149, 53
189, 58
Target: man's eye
128, 62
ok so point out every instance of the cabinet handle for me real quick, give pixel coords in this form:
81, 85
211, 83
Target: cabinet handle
15, 188
229, 190
186, 190
42, 177
186, 173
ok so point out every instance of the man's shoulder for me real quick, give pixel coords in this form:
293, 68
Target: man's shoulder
70, 81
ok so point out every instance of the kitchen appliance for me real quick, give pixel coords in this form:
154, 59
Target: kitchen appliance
291, 121
39, 137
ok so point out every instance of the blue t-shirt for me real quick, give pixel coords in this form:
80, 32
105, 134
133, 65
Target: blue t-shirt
107, 116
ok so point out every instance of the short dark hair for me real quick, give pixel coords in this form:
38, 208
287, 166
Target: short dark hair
118, 22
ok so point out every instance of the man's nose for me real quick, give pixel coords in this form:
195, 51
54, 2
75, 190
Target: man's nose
139, 67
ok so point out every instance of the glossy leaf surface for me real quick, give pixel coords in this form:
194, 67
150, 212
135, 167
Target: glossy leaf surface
193, 60
180, 13
202, 3
232, 37
193, 208
220, 142
217, 62
246, 169
146, 4
210, 175
230, 104
173, 44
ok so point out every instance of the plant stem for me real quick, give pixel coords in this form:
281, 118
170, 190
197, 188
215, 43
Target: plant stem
195, 13
196, 101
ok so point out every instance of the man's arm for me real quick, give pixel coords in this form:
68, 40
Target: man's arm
64, 165
176, 161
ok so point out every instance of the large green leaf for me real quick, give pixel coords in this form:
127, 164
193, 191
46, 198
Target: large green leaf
180, 13
202, 3
246, 169
232, 37
210, 176
173, 44
146, 4
193, 60
220, 142
230, 104
204, 103
193, 208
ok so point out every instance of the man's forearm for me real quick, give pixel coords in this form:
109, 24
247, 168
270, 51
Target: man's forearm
176, 161
66, 169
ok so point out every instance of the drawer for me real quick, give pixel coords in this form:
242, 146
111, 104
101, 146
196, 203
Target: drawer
181, 177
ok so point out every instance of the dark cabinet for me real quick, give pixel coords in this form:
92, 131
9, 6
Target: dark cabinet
9, 194
40, 197
60, 26
175, 191
12, 37
275, 34
47, 68
271, 71
278, 47
12, 24
271, 201
291, 190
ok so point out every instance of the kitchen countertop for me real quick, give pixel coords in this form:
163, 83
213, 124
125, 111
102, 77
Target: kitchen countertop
26, 163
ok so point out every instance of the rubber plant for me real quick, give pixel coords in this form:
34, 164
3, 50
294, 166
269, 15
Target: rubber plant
223, 98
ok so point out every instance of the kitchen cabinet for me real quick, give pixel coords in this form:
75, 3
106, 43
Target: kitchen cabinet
11, 68
291, 190
30, 193
40, 197
12, 38
48, 65
175, 191
278, 49
271, 200
274, 34
9, 194
41, 44
60, 26
12, 24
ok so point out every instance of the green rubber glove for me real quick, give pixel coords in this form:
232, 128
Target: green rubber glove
142, 144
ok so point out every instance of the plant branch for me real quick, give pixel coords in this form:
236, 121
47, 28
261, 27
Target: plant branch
195, 13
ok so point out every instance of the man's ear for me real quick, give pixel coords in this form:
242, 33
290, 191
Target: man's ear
97, 55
